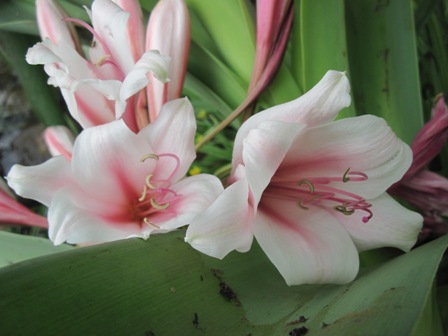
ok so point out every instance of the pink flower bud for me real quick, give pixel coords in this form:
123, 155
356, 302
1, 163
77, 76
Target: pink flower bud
426, 190
169, 32
274, 20
431, 138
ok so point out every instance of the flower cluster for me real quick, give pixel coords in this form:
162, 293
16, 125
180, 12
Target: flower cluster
310, 189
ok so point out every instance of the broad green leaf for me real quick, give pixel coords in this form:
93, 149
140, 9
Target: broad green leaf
205, 98
216, 75
15, 248
442, 301
383, 63
75, 9
163, 287
18, 16
282, 89
231, 25
319, 42
43, 98
148, 5
430, 322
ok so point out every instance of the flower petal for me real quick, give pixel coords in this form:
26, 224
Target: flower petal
391, 225
137, 78
111, 23
226, 225
319, 105
51, 22
73, 74
106, 161
364, 144
42, 181
196, 194
173, 132
70, 222
307, 247
135, 28
263, 151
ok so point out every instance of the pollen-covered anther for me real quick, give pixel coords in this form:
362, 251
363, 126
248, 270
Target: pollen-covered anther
148, 182
345, 177
159, 206
342, 208
308, 183
143, 196
149, 156
102, 60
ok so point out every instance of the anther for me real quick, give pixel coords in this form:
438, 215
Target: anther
148, 182
143, 196
308, 183
149, 156
102, 60
150, 224
345, 177
159, 206
342, 208
300, 205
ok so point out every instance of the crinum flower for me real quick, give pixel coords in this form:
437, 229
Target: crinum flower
311, 190
119, 184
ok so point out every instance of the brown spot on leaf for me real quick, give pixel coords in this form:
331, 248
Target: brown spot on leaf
298, 331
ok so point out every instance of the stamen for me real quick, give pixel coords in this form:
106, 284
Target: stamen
153, 189
308, 183
148, 182
143, 196
150, 224
345, 177
343, 209
149, 156
319, 189
103, 60
159, 206
300, 205
89, 28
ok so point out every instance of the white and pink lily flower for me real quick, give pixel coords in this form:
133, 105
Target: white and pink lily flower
117, 68
311, 190
119, 184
